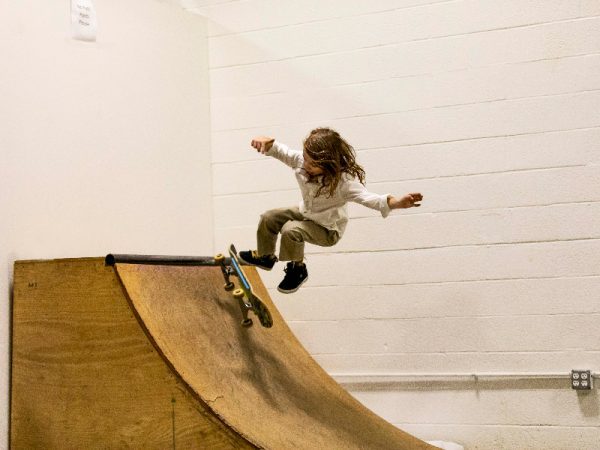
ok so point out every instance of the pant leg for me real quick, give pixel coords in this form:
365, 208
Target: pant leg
270, 225
295, 233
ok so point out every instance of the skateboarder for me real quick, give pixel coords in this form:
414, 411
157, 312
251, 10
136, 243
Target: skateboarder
329, 177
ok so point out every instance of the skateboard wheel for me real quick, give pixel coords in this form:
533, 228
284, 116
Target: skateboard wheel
228, 286
238, 293
219, 257
247, 323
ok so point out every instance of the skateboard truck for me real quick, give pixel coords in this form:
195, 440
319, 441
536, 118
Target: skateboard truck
238, 294
247, 300
227, 271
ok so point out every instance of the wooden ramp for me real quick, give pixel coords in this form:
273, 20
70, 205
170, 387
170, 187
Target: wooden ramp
153, 356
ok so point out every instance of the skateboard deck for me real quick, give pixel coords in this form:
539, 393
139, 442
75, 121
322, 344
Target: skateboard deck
246, 297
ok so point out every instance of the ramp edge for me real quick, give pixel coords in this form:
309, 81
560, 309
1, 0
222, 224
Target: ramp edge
161, 260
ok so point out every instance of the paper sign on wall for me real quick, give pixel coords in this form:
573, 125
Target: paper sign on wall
83, 20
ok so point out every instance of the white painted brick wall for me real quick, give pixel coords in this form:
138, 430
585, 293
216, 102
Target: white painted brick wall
491, 108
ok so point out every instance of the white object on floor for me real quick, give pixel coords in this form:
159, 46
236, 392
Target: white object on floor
446, 445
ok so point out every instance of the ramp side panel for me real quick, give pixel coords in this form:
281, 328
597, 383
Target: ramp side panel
261, 382
84, 374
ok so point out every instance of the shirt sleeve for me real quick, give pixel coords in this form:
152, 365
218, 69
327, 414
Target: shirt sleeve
355, 191
292, 158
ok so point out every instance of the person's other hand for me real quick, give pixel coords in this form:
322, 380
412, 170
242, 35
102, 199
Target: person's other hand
262, 143
408, 201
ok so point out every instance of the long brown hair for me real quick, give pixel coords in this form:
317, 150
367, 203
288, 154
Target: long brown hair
335, 156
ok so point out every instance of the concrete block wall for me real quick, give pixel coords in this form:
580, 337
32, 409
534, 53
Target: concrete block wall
491, 109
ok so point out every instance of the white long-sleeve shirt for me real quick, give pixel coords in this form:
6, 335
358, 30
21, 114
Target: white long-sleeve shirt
329, 212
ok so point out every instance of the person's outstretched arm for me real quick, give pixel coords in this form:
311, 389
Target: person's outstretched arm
358, 193
270, 147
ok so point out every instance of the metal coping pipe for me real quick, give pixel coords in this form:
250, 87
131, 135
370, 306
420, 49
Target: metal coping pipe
160, 260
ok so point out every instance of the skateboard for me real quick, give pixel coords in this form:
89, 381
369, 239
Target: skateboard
245, 296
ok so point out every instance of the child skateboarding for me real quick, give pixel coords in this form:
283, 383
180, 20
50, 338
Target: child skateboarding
329, 177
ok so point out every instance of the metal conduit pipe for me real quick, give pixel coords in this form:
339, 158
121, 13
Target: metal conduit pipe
350, 379
393, 376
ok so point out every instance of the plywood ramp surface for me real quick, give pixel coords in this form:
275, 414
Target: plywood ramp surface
151, 356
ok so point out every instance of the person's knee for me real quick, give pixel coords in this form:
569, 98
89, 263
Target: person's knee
291, 231
268, 217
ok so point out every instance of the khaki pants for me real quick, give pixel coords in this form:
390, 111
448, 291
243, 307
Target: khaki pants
295, 230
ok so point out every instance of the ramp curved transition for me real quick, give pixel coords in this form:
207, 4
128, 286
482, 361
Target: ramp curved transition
154, 356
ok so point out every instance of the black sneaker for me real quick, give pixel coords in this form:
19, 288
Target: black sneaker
265, 262
295, 275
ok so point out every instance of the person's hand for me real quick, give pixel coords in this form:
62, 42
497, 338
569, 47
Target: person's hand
262, 143
408, 201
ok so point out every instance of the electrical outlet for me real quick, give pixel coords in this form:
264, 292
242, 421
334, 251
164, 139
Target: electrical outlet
581, 380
